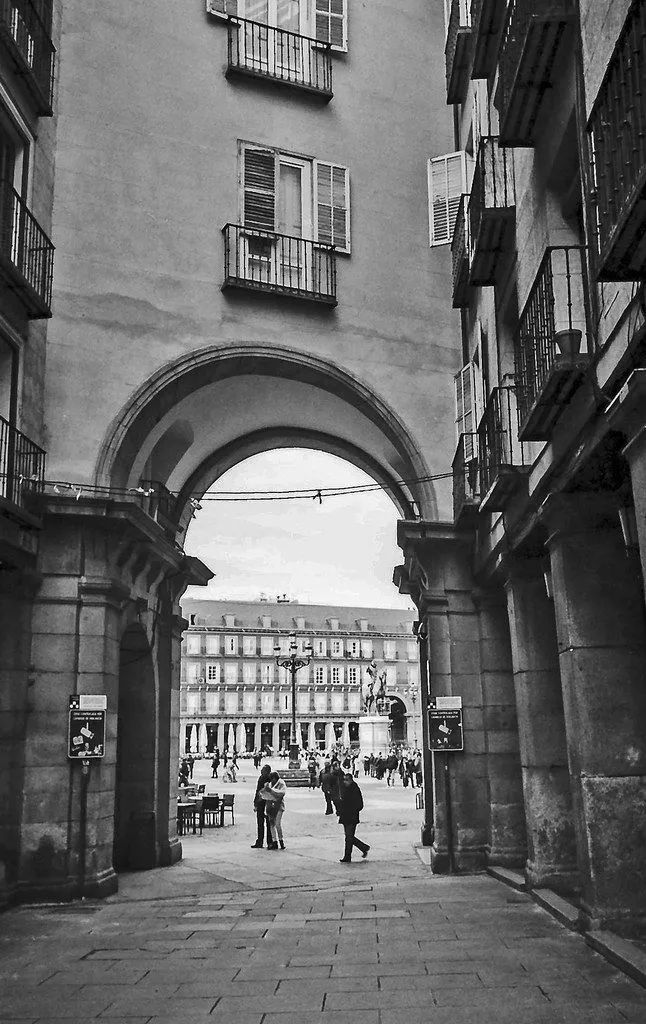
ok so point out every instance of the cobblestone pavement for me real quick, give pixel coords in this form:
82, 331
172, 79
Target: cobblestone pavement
294, 937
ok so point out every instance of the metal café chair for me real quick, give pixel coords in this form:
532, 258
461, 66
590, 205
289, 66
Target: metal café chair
211, 811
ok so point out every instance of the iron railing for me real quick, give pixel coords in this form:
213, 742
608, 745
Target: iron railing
159, 503
617, 130
26, 253
486, 22
466, 474
22, 464
555, 303
25, 33
500, 449
530, 39
458, 50
266, 261
264, 51
460, 256
491, 201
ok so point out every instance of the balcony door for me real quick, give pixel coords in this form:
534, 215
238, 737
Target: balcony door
274, 53
279, 192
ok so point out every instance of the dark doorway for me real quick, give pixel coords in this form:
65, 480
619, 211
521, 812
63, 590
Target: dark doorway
134, 844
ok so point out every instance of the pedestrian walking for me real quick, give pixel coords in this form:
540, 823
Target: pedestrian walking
273, 793
366, 764
260, 807
190, 760
328, 783
350, 805
337, 775
391, 766
312, 768
215, 763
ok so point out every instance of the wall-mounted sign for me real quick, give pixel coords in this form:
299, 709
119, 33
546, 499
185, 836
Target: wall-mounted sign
86, 731
445, 724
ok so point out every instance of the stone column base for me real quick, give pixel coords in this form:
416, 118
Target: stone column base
564, 881
170, 852
373, 735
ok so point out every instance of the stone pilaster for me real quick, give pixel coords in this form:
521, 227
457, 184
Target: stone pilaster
551, 860
601, 634
438, 572
507, 838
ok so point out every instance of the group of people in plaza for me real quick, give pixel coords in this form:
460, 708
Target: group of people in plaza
342, 795
405, 764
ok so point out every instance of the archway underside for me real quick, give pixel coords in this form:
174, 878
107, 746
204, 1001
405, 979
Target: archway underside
202, 415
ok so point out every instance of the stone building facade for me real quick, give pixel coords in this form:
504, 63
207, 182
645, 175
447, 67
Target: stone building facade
237, 197
532, 600
233, 694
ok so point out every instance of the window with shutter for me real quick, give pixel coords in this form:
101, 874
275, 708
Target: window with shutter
259, 202
332, 23
464, 397
446, 183
333, 205
222, 8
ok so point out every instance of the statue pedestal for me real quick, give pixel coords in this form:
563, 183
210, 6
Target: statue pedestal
374, 735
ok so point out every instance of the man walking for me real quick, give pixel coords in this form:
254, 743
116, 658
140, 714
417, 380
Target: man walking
328, 784
215, 763
259, 806
350, 804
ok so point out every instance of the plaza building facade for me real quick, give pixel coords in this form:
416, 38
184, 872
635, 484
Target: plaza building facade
532, 599
234, 696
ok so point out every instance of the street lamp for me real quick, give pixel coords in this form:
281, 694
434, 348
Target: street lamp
412, 693
294, 661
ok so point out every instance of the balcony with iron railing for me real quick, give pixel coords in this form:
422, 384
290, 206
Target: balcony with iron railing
285, 58
22, 465
275, 264
486, 23
549, 363
26, 39
26, 254
504, 458
460, 256
159, 503
531, 38
491, 211
457, 51
466, 479
617, 132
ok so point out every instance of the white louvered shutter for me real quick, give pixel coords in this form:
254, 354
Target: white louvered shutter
446, 183
222, 8
464, 390
259, 189
332, 23
332, 190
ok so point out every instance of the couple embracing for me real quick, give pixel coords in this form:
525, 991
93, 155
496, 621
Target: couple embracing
269, 805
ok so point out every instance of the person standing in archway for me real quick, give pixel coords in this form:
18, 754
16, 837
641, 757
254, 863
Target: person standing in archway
350, 806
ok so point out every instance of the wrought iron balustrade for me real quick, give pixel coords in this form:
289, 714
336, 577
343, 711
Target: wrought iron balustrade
466, 476
26, 253
159, 503
486, 22
490, 211
531, 37
503, 456
26, 38
547, 344
264, 51
22, 464
617, 132
458, 51
460, 256
266, 261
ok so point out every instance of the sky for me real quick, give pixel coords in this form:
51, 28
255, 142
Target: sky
342, 551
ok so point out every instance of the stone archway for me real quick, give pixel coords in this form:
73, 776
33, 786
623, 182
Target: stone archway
227, 403
398, 721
